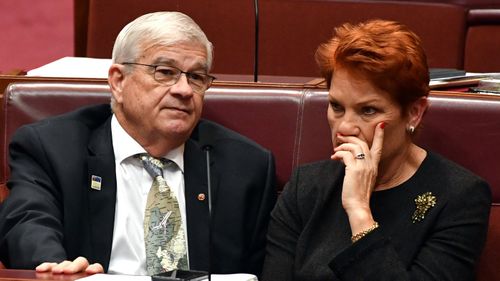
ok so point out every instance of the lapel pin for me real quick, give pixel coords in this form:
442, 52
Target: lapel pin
95, 182
423, 203
201, 197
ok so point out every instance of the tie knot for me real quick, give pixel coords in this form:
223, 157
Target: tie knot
153, 166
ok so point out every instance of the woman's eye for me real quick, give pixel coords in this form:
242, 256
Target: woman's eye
368, 110
336, 107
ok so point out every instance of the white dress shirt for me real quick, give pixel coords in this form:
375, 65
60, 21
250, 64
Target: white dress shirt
128, 254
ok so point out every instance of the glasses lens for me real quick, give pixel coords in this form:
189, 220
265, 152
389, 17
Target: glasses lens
167, 75
198, 81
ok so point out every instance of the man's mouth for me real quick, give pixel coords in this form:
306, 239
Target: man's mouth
185, 110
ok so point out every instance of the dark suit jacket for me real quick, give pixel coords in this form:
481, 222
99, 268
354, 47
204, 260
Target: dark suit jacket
52, 214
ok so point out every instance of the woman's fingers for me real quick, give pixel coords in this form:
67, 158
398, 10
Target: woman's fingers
351, 150
378, 141
344, 156
359, 148
353, 144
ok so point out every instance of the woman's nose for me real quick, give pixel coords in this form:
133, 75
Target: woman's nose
348, 125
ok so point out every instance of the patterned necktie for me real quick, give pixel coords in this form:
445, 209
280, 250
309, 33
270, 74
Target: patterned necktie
163, 229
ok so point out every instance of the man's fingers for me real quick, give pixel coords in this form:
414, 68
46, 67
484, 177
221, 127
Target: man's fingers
45, 267
59, 268
94, 268
78, 265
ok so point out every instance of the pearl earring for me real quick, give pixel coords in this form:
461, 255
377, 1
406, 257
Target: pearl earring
410, 129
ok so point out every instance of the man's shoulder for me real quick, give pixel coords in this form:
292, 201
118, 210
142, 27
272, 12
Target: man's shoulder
67, 128
89, 116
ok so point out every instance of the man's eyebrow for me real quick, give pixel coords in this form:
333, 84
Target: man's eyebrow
167, 61
164, 61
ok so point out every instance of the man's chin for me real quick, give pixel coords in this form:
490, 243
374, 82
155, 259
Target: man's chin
178, 128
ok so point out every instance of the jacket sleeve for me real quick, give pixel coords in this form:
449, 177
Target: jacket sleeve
31, 216
284, 230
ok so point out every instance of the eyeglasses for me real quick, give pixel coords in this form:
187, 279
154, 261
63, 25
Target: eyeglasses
170, 75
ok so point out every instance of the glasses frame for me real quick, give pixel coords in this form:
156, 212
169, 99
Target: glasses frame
186, 73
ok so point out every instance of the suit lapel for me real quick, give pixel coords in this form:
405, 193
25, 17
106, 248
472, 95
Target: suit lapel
101, 167
195, 177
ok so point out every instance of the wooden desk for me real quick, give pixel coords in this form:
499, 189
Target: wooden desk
25, 275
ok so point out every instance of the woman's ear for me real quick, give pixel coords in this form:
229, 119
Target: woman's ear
116, 77
417, 111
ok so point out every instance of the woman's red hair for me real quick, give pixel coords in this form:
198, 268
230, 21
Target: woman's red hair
386, 53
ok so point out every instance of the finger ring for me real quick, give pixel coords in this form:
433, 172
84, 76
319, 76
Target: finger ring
360, 156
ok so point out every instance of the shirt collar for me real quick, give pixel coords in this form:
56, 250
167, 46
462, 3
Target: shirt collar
125, 146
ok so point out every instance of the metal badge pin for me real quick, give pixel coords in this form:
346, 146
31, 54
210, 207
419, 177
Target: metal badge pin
95, 182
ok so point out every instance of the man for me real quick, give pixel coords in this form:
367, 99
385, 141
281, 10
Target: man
81, 183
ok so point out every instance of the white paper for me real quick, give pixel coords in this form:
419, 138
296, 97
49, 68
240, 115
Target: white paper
215, 277
111, 277
76, 67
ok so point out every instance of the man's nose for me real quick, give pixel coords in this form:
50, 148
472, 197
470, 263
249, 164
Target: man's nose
182, 86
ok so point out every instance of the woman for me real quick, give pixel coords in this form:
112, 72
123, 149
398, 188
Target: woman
384, 208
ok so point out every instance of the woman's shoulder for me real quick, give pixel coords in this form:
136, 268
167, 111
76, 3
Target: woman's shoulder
452, 176
440, 164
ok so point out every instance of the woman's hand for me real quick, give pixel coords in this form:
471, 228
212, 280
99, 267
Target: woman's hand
80, 264
360, 176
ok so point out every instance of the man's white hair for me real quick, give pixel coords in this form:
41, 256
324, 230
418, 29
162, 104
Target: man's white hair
159, 28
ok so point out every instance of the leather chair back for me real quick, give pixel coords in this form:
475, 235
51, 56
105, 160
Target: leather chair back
291, 122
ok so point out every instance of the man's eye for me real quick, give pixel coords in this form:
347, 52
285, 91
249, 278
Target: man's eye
166, 71
196, 77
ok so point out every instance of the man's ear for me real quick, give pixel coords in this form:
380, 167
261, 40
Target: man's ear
417, 111
116, 77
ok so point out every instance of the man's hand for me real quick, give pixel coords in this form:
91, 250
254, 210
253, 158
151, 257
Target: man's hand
80, 264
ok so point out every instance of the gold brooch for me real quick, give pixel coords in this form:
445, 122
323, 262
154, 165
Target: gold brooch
424, 202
